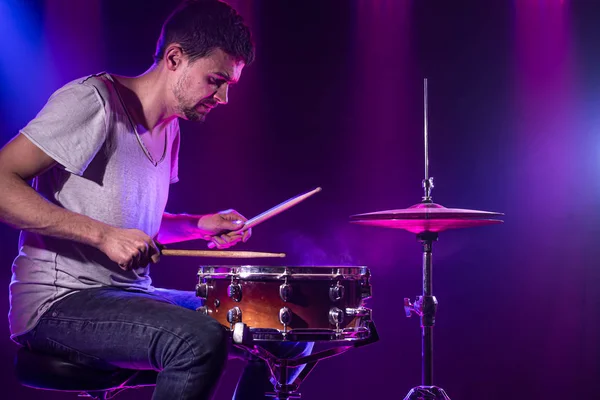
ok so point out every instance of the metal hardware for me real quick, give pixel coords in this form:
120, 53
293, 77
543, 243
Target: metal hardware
203, 310
359, 312
285, 317
202, 290
366, 291
234, 315
336, 293
285, 291
234, 291
336, 316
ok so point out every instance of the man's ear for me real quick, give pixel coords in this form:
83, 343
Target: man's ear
173, 57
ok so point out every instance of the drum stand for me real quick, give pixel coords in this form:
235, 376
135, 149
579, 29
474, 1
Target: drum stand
425, 306
242, 338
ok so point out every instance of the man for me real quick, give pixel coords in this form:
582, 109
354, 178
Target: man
102, 154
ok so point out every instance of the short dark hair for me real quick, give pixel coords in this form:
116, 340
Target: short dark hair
201, 26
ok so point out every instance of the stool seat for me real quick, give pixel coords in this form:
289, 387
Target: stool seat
43, 371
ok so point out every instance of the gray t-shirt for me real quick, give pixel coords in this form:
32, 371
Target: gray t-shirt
104, 173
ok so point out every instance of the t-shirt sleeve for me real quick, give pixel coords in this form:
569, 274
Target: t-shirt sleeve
175, 153
71, 127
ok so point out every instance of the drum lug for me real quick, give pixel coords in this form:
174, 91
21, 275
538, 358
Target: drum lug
234, 315
202, 290
285, 291
285, 317
234, 291
336, 292
336, 316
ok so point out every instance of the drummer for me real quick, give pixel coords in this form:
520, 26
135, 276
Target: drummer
102, 153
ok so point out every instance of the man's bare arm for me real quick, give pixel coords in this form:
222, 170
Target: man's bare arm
220, 228
23, 208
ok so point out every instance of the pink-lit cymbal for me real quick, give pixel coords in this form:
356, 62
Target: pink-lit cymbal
427, 217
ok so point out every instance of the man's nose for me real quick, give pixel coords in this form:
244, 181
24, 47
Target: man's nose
222, 94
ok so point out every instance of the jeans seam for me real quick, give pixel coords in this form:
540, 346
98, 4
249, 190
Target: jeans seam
129, 323
71, 349
187, 381
55, 264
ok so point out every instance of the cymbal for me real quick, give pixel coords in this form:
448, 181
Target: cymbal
427, 217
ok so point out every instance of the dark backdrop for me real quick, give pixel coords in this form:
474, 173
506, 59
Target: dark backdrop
335, 100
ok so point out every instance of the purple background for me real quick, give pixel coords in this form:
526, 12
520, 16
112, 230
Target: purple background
335, 100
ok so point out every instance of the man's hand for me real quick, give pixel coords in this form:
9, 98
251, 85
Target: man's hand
129, 248
223, 228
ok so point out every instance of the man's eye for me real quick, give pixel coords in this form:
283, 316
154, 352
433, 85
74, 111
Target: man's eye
217, 82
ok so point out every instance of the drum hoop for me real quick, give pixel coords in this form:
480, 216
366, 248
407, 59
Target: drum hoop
312, 335
279, 272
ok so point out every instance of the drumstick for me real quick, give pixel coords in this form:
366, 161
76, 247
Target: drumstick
221, 254
278, 209
274, 211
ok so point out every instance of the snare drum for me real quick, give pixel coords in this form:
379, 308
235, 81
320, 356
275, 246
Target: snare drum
324, 303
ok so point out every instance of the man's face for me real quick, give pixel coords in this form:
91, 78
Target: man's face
204, 83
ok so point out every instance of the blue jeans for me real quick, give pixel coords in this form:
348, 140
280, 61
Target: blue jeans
108, 327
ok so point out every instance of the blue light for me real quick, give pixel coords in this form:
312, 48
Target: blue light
23, 84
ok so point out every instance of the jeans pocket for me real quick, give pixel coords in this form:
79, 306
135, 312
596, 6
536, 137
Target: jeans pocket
75, 356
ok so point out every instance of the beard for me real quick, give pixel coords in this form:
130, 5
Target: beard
191, 114
186, 106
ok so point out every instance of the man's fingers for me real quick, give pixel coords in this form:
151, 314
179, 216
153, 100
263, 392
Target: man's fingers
231, 237
232, 225
155, 251
218, 242
143, 254
246, 235
127, 264
232, 214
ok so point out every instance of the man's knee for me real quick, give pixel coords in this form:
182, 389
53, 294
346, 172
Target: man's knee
199, 340
210, 336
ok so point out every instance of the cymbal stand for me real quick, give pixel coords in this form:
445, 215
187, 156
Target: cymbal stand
426, 305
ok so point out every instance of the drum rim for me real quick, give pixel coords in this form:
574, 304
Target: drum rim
279, 272
313, 335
